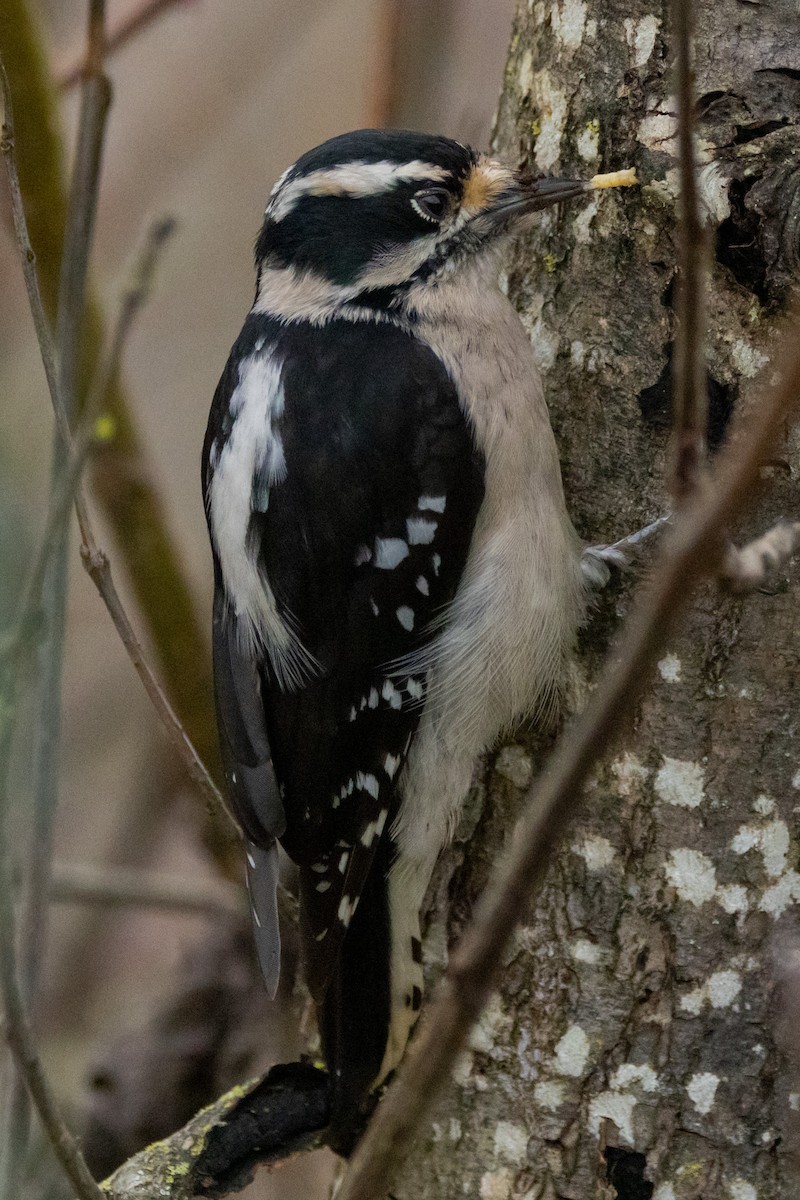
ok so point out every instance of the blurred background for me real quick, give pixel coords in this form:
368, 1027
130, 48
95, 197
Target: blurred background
211, 101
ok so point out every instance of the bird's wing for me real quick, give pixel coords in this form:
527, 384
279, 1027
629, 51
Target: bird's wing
250, 777
363, 538
251, 783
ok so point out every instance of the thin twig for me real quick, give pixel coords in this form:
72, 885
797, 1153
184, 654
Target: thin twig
133, 299
690, 405
81, 212
20, 1039
138, 19
79, 883
694, 548
95, 560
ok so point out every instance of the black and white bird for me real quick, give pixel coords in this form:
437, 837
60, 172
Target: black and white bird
397, 578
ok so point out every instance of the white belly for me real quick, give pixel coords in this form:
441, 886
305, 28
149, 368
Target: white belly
502, 651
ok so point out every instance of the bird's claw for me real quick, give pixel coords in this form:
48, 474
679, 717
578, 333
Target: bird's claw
597, 561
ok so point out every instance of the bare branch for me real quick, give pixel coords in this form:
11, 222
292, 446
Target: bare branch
215, 1153
81, 212
20, 1038
134, 296
694, 548
95, 560
80, 883
133, 23
690, 405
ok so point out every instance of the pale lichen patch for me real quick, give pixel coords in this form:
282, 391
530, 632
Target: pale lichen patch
746, 359
587, 143
613, 1106
549, 1094
772, 840
552, 105
511, 1143
584, 951
568, 22
669, 668
526, 73
514, 763
630, 773
701, 1090
720, 990
583, 221
597, 852
680, 783
496, 1185
641, 37
740, 1189
664, 1191
764, 805
693, 876
629, 1074
780, 895
491, 1027
733, 898
571, 1053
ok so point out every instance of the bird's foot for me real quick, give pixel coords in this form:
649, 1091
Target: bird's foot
597, 561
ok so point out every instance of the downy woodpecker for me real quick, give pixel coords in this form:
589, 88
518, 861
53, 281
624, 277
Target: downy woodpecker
396, 576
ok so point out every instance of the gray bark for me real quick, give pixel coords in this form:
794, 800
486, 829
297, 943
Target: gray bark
644, 1040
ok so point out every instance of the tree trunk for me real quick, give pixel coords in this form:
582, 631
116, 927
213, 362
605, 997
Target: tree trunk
644, 1042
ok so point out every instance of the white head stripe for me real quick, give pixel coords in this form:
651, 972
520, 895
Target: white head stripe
355, 178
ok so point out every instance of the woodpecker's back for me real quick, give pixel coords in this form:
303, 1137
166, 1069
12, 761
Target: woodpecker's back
396, 576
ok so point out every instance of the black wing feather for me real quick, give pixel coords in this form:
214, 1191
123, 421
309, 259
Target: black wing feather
373, 435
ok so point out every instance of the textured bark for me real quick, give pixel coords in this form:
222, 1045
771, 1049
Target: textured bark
643, 1043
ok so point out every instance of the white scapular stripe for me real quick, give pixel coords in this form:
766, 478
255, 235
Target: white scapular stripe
256, 401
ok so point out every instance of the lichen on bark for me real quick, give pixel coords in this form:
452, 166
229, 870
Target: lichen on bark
641, 1043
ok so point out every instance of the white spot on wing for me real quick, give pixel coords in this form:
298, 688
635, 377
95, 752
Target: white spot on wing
432, 503
391, 694
363, 555
389, 552
421, 532
405, 616
368, 783
422, 585
390, 764
374, 607
373, 697
346, 909
414, 689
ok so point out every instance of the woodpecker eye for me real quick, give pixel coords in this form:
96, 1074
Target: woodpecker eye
432, 204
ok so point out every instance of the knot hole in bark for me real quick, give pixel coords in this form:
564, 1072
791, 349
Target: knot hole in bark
625, 1172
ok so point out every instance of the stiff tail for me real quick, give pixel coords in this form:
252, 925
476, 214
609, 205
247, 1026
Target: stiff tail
374, 995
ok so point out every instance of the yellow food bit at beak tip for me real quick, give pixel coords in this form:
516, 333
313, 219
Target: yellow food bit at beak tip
615, 179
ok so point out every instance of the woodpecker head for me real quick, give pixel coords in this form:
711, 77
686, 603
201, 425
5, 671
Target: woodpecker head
361, 219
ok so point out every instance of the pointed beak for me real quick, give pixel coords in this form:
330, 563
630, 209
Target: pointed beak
531, 195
